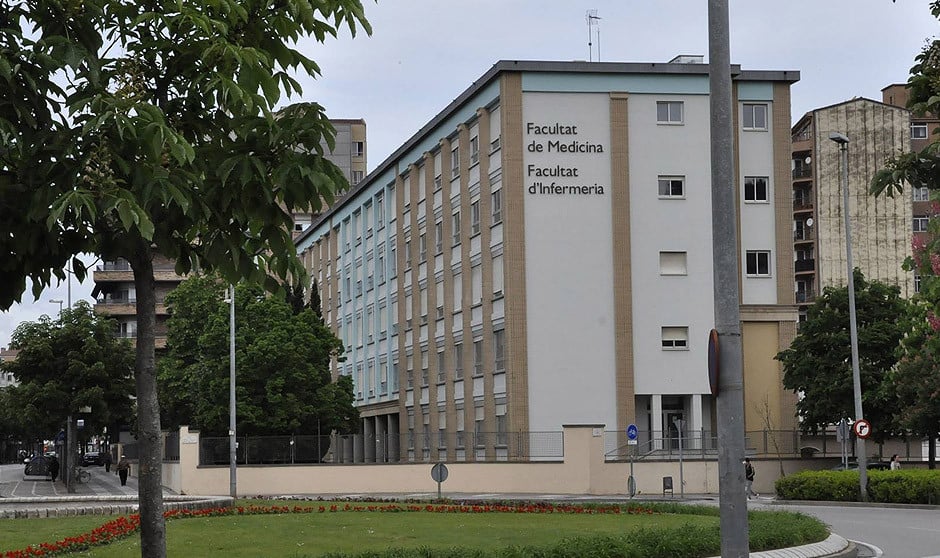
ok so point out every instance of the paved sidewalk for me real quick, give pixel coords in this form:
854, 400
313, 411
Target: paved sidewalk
100, 484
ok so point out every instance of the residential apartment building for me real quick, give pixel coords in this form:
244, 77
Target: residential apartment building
540, 254
114, 289
6, 378
882, 227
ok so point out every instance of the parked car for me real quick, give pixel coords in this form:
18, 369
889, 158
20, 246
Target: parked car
92, 458
872, 466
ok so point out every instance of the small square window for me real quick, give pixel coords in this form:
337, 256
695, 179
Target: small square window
756, 189
673, 263
755, 116
496, 205
921, 194
475, 218
675, 338
358, 148
671, 186
356, 177
921, 223
918, 130
757, 263
669, 112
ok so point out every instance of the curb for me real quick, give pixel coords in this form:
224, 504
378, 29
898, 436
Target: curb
102, 505
833, 547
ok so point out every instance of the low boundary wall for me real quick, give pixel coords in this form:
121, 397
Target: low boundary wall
583, 470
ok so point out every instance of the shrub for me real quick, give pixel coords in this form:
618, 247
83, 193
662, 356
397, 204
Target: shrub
894, 487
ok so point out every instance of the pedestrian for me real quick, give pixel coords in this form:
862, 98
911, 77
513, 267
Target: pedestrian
107, 461
123, 467
749, 479
53, 467
895, 462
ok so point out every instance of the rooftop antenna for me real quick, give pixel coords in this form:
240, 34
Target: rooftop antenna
592, 18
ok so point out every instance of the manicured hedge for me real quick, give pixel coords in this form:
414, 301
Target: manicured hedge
911, 486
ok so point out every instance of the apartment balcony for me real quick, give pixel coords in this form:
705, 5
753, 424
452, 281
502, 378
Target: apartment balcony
805, 235
802, 173
802, 200
805, 297
803, 266
114, 274
123, 307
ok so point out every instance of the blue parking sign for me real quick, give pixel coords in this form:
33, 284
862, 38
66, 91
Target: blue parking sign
631, 432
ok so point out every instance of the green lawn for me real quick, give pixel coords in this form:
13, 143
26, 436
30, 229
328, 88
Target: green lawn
301, 535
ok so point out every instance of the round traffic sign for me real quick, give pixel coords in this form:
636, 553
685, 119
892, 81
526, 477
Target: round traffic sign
632, 432
439, 472
862, 428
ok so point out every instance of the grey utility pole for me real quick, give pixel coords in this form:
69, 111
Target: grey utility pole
843, 142
730, 400
232, 439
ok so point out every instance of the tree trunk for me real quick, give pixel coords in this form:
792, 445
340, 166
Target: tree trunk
150, 476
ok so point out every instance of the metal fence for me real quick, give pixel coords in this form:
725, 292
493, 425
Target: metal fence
411, 447
703, 444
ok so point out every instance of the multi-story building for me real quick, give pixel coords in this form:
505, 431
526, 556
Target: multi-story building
114, 281
540, 254
6, 378
882, 226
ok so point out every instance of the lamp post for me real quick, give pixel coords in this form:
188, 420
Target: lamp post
842, 140
232, 456
58, 301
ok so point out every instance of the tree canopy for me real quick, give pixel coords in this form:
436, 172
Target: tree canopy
282, 357
135, 128
65, 364
818, 362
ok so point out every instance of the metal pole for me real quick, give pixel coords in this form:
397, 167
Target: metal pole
678, 423
853, 327
725, 249
231, 395
68, 459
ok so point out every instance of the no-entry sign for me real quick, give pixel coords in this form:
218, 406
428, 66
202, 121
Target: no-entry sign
862, 428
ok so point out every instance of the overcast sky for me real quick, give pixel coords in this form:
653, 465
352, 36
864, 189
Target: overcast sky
424, 53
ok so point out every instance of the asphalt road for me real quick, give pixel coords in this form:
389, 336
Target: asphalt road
893, 532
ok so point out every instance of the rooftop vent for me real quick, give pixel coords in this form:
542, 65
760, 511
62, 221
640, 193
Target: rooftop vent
688, 59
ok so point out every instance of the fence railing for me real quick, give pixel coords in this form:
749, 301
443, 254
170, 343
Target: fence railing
703, 444
409, 447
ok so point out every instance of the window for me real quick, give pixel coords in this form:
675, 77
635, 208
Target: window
918, 130
496, 205
392, 260
502, 437
920, 223
422, 247
669, 112
671, 186
458, 361
757, 263
494, 145
441, 371
499, 351
673, 263
475, 217
438, 237
358, 148
455, 227
675, 338
408, 252
474, 150
454, 163
380, 268
357, 177
478, 358
410, 371
424, 368
379, 213
437, 183
921, 194
755, 189
755, 116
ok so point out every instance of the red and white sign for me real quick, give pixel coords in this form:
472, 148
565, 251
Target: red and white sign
862, 428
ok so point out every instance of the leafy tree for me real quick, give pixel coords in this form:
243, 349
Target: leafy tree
75, 361
282, 361
135, 128
917, 380
818, 363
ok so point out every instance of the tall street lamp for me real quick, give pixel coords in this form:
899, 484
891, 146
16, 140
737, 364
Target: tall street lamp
59, 302
843, 142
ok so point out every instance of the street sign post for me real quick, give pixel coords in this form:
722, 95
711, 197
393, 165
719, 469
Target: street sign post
439, 475
862, 428
632, 433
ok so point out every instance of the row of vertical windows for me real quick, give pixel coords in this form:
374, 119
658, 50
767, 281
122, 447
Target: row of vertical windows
756, 188
754, 115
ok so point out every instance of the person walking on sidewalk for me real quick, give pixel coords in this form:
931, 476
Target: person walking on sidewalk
749, 479
123, 467
107, 461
